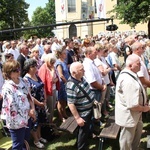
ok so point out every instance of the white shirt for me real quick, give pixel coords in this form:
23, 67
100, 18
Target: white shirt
128, 95
41, 50
91, 73
143, 70
54, 47
102, 62
15, 52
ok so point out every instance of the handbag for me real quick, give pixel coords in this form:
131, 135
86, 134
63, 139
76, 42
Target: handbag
49, 132
97, 109
96, 105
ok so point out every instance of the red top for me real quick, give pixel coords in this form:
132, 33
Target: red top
46, 77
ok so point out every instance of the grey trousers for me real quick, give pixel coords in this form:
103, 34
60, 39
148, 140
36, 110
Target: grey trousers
130, 137
51, 103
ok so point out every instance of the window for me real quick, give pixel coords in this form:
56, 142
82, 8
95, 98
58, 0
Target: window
71, 5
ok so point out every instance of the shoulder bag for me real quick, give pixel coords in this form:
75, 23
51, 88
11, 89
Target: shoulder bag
96, 105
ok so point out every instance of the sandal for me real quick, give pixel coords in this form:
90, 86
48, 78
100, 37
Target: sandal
38, 145
43, 140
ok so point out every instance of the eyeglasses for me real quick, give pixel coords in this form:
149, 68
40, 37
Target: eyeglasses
16, 70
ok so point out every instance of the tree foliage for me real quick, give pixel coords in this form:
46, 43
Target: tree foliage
13, 14
44, 16
132, 12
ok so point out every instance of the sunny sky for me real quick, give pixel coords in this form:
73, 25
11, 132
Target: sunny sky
34, 4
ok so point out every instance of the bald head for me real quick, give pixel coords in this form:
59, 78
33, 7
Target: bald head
131, 59
77, 70
133, 63
74, 67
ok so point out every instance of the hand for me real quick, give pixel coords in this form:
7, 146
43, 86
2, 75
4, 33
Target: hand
111, 83
115, 69
80, 122
146, 108
109, 69
32, 114
55, 80
42, 104
104, 87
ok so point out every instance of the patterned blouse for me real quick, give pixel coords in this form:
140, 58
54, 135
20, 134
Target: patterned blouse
16, 106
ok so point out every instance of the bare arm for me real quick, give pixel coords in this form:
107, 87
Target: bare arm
76, 115
144, 81
60, 73
141, 108
117, 66
103, 70
98, 86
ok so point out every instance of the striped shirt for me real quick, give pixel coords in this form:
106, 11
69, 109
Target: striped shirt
76, 96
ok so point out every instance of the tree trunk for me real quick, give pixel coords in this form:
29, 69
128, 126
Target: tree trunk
149, 29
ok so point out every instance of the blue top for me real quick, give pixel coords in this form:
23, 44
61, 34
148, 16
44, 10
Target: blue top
64, 69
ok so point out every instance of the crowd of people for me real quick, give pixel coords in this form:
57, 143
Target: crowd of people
36, 74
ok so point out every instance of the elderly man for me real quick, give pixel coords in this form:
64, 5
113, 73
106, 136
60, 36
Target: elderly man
92, 73
138, 50
130, 103
79, 104
24, 51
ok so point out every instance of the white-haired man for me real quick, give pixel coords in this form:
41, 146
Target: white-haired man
79, 104
130, 102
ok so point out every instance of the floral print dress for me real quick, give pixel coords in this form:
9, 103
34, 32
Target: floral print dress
37, 91
15, 108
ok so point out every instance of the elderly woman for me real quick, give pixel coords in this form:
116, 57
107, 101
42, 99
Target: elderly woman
17, 104
48, 75
37, 91
63, 73
36, 56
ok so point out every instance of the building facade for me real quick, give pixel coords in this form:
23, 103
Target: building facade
78, 10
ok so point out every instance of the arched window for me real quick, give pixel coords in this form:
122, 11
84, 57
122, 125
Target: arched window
72, 31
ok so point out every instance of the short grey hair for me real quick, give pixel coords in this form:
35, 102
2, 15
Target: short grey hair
131, 59
28, 63
74, 67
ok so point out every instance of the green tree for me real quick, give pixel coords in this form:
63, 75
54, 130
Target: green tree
44, 16
13, 14
133, 12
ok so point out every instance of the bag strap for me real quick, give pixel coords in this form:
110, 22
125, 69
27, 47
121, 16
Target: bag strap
84, 92
138, 83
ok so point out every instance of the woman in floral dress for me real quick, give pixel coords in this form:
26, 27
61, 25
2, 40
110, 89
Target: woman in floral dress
37, 91
17, 105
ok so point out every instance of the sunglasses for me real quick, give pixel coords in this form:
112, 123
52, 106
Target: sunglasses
8, 56
16, 70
